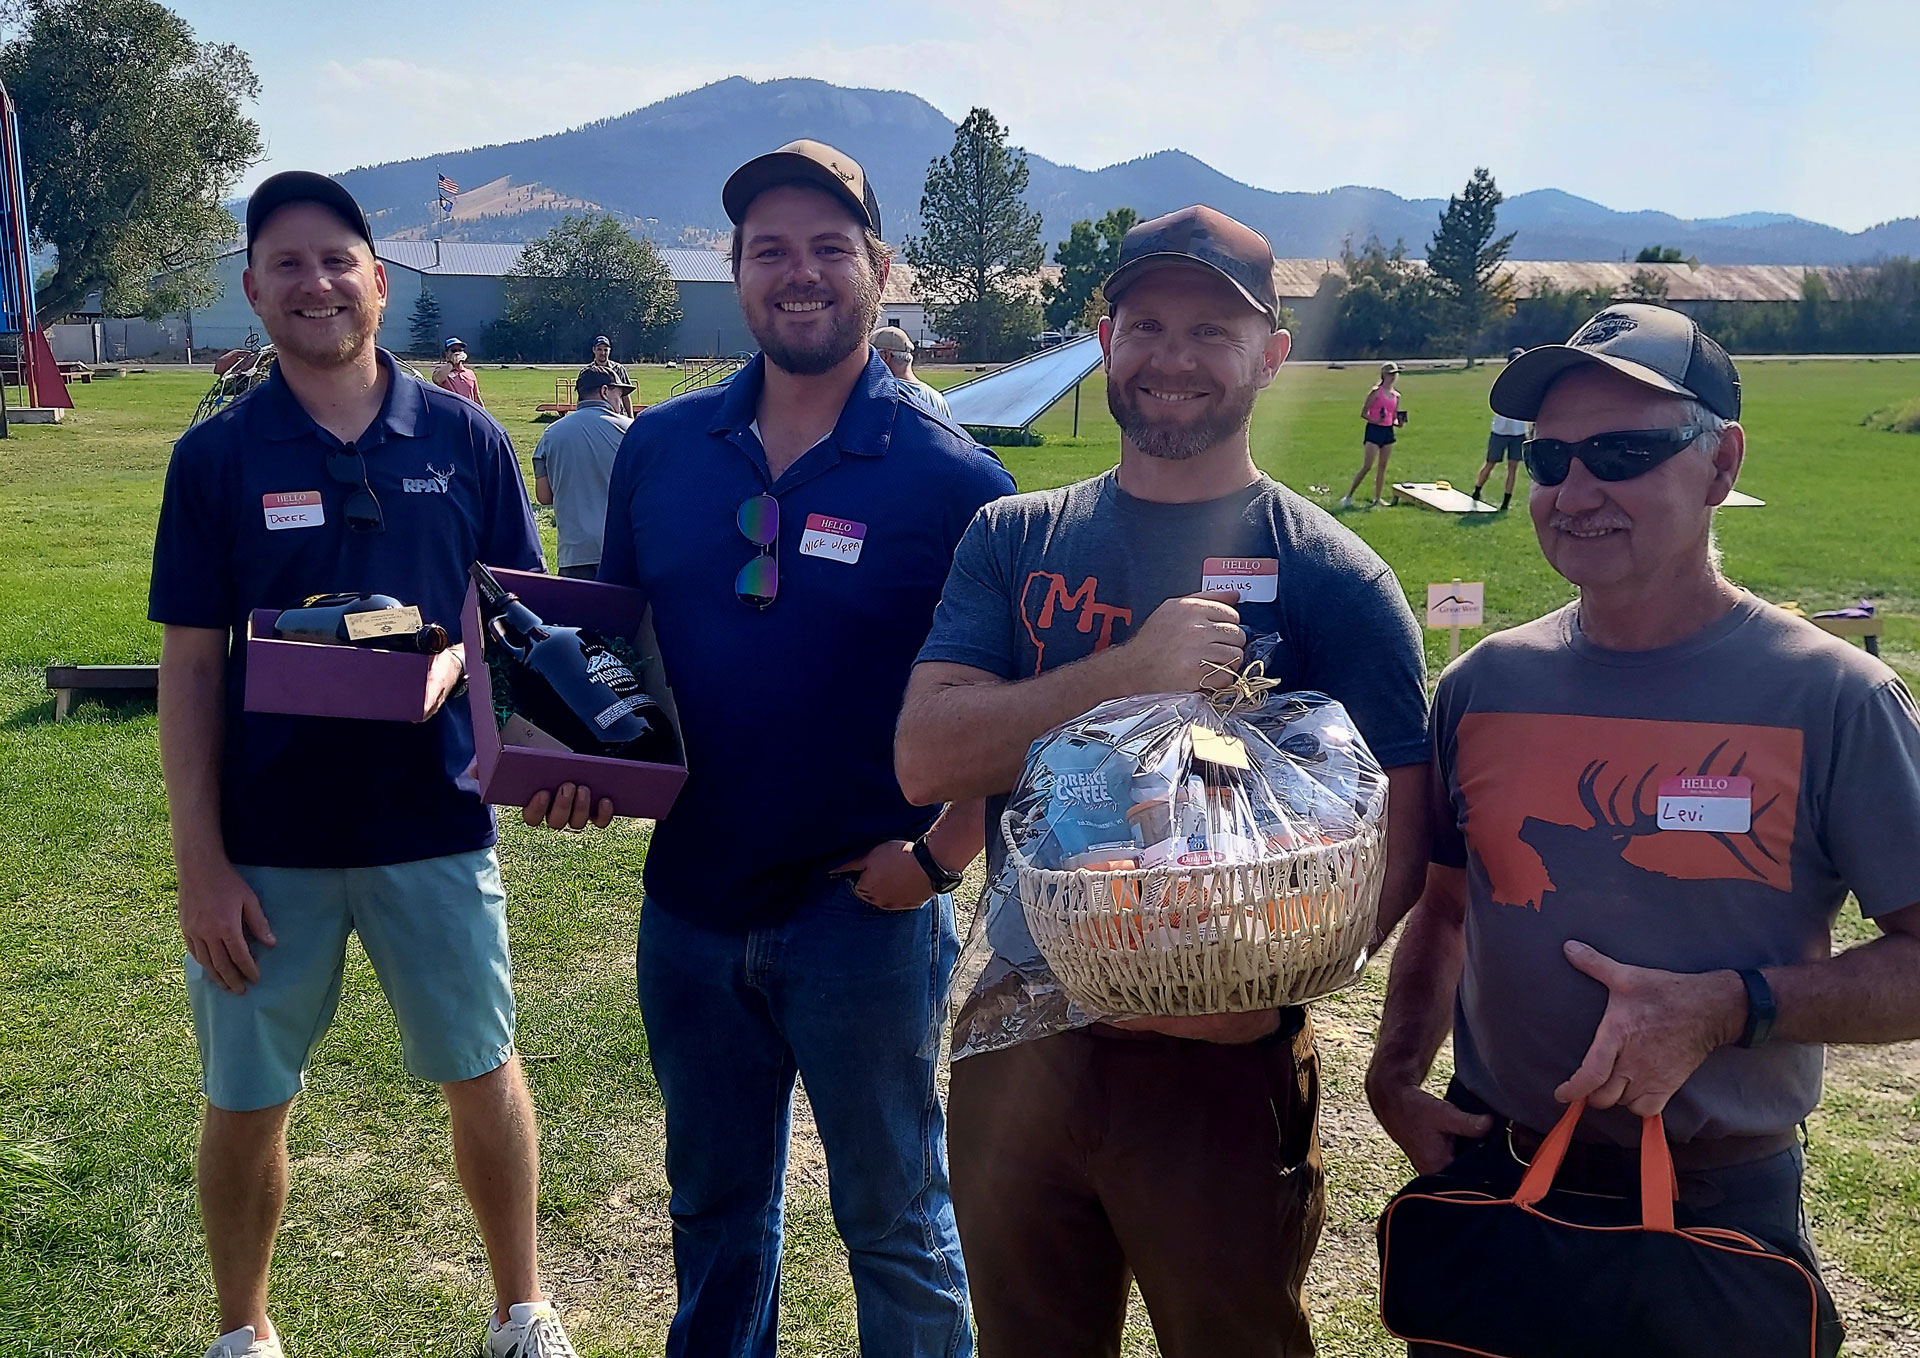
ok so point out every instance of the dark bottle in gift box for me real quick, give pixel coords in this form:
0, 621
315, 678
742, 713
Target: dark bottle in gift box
373, 620
568, 683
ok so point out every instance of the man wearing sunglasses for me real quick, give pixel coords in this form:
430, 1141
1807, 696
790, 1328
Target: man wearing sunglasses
1180, 1152
1651, 805
342, 472
791, 531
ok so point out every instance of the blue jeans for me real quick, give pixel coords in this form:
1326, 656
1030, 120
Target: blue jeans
851, 998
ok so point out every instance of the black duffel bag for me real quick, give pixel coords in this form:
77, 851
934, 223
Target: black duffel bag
1551, 1273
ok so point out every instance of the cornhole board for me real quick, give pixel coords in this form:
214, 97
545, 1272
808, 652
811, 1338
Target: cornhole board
1739, 499
1432, 495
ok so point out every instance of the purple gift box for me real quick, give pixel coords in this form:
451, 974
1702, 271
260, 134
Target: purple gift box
312, 679
511, 774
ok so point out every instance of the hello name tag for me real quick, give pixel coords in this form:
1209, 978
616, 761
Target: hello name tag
1256, 579
292, 509
1707, 803
834, 539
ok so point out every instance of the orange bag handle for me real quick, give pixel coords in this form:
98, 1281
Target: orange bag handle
1658, 1187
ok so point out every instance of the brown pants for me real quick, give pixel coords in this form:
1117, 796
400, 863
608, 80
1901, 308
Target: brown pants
1088, 1159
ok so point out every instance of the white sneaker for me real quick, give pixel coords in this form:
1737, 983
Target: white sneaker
240, 1343
532, 1331
1346, 502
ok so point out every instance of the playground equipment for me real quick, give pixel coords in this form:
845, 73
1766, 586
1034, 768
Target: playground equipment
34, 367
1013, 397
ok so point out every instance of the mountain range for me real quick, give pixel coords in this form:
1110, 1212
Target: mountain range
660, 168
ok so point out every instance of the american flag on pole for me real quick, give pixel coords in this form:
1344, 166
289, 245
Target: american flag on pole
447, 189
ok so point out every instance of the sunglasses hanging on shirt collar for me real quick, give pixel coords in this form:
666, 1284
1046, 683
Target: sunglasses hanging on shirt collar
346, 465
758, 583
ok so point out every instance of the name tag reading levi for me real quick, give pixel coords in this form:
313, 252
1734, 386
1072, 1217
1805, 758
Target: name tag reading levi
1707, 803
293, 509
1256, 579
835, 539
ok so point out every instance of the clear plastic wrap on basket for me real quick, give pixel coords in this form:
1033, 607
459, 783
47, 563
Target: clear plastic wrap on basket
1180, 855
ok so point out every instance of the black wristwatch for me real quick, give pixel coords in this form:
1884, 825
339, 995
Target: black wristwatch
943, 881
1760, 1009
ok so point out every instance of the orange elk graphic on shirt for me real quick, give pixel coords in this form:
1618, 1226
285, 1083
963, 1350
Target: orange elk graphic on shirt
1563, 804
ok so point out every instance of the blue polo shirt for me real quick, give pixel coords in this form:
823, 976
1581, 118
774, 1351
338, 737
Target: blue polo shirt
788, 712
322, 792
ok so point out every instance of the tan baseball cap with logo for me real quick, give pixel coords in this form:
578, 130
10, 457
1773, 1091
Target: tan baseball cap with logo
802, 162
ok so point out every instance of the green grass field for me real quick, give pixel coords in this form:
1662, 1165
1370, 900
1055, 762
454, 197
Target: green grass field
99, 1246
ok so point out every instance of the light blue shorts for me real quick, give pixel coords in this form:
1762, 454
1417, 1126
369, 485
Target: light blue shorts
436, 933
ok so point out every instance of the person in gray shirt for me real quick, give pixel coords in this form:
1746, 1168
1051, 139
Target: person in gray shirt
573, 464
896, 351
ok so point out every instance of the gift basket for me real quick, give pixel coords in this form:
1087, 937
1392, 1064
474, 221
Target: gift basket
1186, 854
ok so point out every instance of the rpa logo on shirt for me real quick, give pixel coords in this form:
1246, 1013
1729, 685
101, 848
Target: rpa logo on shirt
433, 483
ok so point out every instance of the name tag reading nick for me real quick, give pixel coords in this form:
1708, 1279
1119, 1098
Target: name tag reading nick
1707, 803
293, 509
1256, 579
835, 539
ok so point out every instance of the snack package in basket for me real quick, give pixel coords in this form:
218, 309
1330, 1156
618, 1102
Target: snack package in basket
1179, 854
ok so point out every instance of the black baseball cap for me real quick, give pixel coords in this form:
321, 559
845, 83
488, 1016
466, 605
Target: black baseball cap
802, 162
1199, 237
591, 380
1656, 346
303, 186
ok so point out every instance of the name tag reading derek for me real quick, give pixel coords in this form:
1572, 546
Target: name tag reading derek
1707, 803
292, 509
834, 539
1256, 579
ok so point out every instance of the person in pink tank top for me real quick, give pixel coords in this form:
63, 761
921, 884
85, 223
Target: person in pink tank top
1381, 410
454, 374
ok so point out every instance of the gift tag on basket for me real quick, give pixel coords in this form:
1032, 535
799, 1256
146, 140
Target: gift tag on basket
1219, 748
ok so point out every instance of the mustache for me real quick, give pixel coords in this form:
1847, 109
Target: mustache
1586, 523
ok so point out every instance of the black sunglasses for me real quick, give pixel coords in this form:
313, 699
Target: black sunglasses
362, 510
1618, 456
758, 583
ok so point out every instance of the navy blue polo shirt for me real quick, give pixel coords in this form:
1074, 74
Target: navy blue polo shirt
322, 792
788, 712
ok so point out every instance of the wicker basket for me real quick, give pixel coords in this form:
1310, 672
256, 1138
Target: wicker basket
1215, 940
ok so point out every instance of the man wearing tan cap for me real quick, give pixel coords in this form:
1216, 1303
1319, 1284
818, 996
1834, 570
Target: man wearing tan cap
896, 351
1181, 1153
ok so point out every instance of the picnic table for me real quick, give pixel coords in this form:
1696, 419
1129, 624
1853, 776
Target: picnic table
1869, 630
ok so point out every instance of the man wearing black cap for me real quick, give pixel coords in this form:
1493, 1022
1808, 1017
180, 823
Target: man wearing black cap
342, 472
573, 464
791, 531
1181, 1152
1650, 806
603, 362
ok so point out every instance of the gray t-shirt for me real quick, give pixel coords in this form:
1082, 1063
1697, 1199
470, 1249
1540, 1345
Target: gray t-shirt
1045, 579
576, 456
1596, 795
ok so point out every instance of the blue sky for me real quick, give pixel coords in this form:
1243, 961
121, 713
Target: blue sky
1702, 109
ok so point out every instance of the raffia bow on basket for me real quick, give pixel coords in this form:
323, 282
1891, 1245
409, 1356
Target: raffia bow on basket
1252, 876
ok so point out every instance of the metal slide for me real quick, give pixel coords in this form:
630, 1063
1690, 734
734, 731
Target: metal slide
1015, 396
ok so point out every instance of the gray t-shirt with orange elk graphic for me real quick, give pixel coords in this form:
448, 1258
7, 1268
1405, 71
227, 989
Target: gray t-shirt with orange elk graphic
1707, 805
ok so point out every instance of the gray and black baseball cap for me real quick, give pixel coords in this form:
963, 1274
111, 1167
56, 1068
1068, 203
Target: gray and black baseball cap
592, 380
1656, 346
303, 186
1200, 238
802, 162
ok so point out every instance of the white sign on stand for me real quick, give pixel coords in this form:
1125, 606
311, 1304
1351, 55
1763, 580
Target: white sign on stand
1456, 605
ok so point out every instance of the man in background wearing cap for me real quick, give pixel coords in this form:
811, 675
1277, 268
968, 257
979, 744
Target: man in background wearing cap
896, 350
1506, 441
573, 463
791, 530
603, 362
1183, 1152
452, 373
342, 472
1650, 806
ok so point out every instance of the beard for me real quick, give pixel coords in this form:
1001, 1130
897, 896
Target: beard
823, 353
363, 324
1176, 442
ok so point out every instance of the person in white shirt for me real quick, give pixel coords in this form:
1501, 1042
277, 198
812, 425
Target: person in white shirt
896, 351
1505, 443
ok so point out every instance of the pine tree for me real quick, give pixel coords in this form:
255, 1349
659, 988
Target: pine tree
981, 247
1464, 257
423, 329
